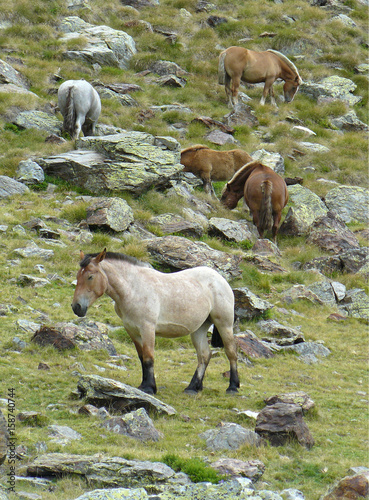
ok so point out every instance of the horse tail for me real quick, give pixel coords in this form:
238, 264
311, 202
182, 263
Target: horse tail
221, 69
216, 339
70, 113
266, 209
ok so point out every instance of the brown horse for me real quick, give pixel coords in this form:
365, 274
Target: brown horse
264, 192
238, 63
211, 165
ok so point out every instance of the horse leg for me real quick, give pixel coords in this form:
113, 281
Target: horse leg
200, 341
145, 353
272, 98
231, 353
276, 220
78, 126
236, 81
267, 90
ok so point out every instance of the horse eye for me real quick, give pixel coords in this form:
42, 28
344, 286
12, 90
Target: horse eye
90, 277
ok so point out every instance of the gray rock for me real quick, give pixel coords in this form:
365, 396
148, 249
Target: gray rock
106, 392
300, 292
116, 494
280, 334
33, 251
9, 75
163, 68
349, 122
230, 230
109, 214
356, 304
325, 292
253, 469
350, 202
175, 224
230, 437
241, 115
182, 253
310, 352
248, 305
10, 88
330, 233
292, 494
39, 120
334, 87
32, 281
29, 172
136, 424
297, 398
313, 147
63, 434
346, 20
274, 161
220, 138
10, 187
305, 207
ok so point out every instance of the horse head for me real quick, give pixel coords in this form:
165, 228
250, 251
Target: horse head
229, 198
290, 88
91, 283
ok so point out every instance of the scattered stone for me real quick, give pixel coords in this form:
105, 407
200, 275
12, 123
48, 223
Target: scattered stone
230, 437
330, 233
39, 120
297, 398
109, 214
32, 418
249, 344
350, 202
241, 115
136, 424
280, 334
33, 251
281, 422
350, 487
220, 138
63, 434
253, 469
310, 352
10, 187
175, 224
274, 161
334, 87
248, 305
350, 122
32, 281
230, 230
29, 172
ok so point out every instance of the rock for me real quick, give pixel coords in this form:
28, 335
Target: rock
310, 352
181, 253
40, 120
109, 214
129, 161
9, 75
334, 87
241, 115
350, 487
300, 292
350, 202
4, 438
170, 224
266, 247
105, 46
87, 337
10, 187
305, 207
253, 469
249, 344
280, 334
115, 494
63, 434
274, 161
137, 425
119, 397
330, 233
230, 437
171, 81
32, 281
313, 147
33, 251
356, 304
292, 494
165, 68
32, 418
346, 20
29, 172
297, 398
248, 305
281, 422
349, 122
230, 230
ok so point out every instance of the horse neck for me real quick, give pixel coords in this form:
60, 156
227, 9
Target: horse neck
118, 276
238, 180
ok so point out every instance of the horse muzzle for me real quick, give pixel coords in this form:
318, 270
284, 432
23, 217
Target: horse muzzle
79, 310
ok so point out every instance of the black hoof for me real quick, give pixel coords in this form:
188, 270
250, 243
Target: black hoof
147, 390
232, 390
191, 392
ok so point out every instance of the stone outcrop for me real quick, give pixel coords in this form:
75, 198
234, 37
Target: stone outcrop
333, 87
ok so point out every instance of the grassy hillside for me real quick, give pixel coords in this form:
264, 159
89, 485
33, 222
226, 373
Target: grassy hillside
320, 47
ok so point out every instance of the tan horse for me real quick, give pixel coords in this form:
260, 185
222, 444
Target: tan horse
264, 192
211, 165
238, 63
169, 305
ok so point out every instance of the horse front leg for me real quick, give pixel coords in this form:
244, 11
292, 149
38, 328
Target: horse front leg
268, 89
145, 351
200, 341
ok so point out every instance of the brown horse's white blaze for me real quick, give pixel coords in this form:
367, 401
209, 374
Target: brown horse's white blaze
212, 165
168, 305
238, 64
264, 192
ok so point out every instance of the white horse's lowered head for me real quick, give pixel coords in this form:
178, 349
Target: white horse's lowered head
80, 105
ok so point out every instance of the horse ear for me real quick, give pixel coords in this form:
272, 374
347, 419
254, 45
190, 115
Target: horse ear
81, 255
101, 256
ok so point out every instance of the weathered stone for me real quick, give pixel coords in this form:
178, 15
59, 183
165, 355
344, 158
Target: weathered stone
350, 202
249, 344
350, 487
181, 253
63, 434
110, 214
171, 81
9, 75
119, 397
305, 207
116, 494
230, 437
297, 398
175, 224
230, 230
29, 172
88, 337
330, 233
248, 305
266, 247
350, 122
333, 86
281, 422
32, 281
325, 292
10, 187
313, 147
33, 251
137, 425
4, 438
265, 264
356, 304
241, 115
32, 418
310, 352
274, 161
220, 138
300, 292
105, 46
253, 469
40, 120
280, 334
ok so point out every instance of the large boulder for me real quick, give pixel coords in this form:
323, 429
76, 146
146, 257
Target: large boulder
334, 87
330, 233
10, 187
350, 202
129, 161
105, 46
9, 75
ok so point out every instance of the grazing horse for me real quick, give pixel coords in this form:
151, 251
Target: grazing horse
211, 165
238, 63
264, 192
80, 105
168, 305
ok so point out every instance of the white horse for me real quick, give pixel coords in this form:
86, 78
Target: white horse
80, 105
169, 305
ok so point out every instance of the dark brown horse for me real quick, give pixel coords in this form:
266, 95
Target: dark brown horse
264, 192
211, 165
238, 63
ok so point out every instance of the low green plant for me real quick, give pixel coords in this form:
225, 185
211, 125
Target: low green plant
195, 468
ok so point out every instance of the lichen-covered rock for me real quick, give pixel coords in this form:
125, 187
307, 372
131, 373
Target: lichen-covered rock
248, 305
330, 233
274, 161
40, 120
10, 187
109, 214
230, 436
334, 87
9, 75
350, 202
29, 172
136, 424
230, 230
116, 494
349, 122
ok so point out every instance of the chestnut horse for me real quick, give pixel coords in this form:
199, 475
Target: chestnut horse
211, 165
238, 63
169, 305
264, 192
80, 105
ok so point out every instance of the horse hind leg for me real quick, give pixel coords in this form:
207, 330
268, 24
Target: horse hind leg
230, 347
200, 341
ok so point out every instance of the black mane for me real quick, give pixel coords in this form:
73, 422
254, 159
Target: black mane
112, 256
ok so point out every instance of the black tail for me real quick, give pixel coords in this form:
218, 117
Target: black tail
216, 339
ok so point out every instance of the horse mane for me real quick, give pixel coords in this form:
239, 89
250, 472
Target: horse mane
194, 148
112, 256
243, 173
286, 60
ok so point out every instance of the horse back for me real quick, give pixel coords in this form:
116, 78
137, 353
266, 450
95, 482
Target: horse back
262, 179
